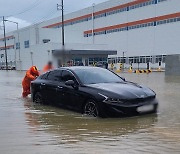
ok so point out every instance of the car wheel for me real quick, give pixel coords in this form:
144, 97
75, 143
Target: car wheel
38, 98
91, 109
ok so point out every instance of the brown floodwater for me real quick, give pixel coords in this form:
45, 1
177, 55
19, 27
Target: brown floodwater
28, 128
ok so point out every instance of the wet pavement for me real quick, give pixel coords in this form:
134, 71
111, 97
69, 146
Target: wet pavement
31, 128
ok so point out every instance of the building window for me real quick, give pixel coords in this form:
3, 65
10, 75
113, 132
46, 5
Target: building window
26, 44
85, 35
163, 58
161, 0
154, 23
18, 45
158, 58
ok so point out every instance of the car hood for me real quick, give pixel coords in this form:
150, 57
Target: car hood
124, 90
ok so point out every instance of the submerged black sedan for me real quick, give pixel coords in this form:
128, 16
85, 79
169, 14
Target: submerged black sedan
93, 91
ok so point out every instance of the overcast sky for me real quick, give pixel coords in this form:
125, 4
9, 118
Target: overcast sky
27, 12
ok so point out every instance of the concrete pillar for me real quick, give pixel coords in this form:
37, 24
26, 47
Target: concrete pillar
172, 65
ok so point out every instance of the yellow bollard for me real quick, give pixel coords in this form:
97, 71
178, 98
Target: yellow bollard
112, 66
142, 71
137, 71
148, 71
120, 66
130, 69
118, 71
159, 69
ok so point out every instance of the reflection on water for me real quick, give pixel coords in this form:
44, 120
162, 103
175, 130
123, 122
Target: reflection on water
32, 128
75, 127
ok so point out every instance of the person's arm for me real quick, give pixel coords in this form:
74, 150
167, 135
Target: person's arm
38, 74
30, 76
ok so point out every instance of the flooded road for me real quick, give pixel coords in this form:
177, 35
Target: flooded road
30, 128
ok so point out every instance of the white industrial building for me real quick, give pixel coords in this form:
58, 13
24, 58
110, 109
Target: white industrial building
141, 31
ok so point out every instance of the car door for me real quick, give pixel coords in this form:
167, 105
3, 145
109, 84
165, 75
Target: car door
52, 85
43, 86
71, 96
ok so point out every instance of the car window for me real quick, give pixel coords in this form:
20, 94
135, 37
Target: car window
44, 76
55, 75
97, 75
66, 75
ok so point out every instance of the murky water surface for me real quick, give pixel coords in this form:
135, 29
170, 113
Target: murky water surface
30, 128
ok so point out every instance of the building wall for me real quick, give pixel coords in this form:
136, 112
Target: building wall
153, 41
10, 50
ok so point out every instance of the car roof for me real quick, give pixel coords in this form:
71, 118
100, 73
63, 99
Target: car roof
79, 68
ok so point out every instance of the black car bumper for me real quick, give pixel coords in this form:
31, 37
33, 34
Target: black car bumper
130, 109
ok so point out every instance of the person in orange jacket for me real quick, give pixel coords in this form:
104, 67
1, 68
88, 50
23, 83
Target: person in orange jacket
31, 75
48, 67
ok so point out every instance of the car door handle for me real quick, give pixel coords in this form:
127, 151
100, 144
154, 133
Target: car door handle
59, 87
43, 84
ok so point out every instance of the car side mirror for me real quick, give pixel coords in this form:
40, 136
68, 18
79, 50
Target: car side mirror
70, 83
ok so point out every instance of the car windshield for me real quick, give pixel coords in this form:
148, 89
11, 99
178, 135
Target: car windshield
96, 75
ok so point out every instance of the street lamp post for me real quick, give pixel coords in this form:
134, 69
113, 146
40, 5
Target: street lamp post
123, 60
61, 7
5, 48
17, 24
31, 57
1, 55
62, 12
93, 5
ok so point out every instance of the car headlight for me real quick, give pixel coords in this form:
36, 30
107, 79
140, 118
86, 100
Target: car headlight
110, 100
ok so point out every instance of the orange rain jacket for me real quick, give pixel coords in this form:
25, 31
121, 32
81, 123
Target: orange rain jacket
31, 75
47, 68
